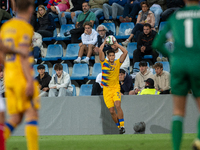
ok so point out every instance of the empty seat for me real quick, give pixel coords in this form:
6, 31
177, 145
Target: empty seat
80, 72
35, 69
51, 38
71, 52
110, 26
130, 48
74, 90
162, 24
96, 70
54, 52
122, 28
136, 67
64, 28
65, 69
166, 66
85, 90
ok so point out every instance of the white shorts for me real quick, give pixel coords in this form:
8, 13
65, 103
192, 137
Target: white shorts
2, 105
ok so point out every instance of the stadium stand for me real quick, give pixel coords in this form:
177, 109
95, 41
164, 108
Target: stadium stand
166, 66
136, 67
110, 26
130, 48
71, 52
122, 28
54, 52
162, 24
64, 28
80, 72
35, 69
74, 90
65, 68
85, 90
51, 38
96, 70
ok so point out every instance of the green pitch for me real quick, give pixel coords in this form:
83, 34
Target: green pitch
103, 142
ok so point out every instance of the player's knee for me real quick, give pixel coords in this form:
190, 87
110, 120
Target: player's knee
112, 111
16, 119
31, 114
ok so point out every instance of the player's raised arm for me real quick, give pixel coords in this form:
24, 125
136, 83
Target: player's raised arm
101, 53
125, 52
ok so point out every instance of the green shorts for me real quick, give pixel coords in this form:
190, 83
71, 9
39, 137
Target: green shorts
185, 76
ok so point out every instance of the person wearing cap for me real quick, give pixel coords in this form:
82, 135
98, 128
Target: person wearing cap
125, 81
43, 78
144, 74
2, 90
161, 79
149, 88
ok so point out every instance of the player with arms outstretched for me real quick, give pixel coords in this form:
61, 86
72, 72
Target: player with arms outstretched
21, 89
185, 59
110, 82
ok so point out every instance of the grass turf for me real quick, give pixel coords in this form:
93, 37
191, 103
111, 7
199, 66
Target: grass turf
103, 142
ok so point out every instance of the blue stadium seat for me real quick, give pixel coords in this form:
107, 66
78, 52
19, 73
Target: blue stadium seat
35, 69
72, 52
136, 67
130, 48
51, 38
166, 66
96, 70
74, 90
54, 52
65, 68
110, 17
64, 28
85, 90
162, 24
122, 29
80, 72
110, 26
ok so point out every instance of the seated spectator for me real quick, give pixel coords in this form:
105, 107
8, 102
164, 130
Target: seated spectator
72, 13
89, 40
51, 6
172, 6
161, 79
43, 78
4, 15
115, 10
145, 16
144, 74
60, 84
144, 43
97, 89
103, 33
37, 45
157, 7
46, 22
125, 81
62, 6
118, 52
96, 6
86, 16
7, 4
149, 88
131, 9
2, 90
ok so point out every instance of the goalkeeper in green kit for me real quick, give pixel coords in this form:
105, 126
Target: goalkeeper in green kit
185, 63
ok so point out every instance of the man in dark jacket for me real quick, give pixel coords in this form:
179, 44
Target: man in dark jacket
43, 78
126, 82
144, 43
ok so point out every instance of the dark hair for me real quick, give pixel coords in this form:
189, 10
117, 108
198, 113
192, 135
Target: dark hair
147, 25
58, 67
87, 23
122, 71
23, 5
160, 65
110, 51
144, 2
143, 63
86, 2
40, 67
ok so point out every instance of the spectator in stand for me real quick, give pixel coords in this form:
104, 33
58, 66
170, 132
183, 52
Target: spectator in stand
43, 78
145, 16
131, 9
172, 6
157, 7
46, 22
2, 90
161, 79
4, 15
125, 81
144, 44
5, 5
62, 6
60, 84
72, 13
103, 33
141, 76
37, 45
51, 6
149, 88
115, 10
89, 40
96, 6
97, 89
